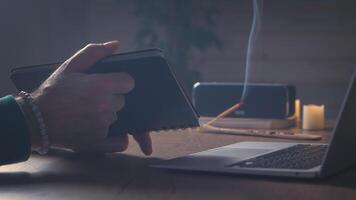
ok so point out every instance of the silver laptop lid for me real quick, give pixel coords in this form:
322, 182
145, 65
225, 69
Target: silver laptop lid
342, 146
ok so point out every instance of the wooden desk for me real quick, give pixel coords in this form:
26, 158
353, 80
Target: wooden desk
65, 175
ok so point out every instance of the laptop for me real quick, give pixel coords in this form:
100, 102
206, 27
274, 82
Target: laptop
279, 159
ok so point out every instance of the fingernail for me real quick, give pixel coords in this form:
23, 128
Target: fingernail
112, 44
148, 152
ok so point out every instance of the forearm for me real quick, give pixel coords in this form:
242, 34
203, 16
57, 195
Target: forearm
15, 142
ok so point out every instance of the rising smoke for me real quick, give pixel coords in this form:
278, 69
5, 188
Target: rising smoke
255, 29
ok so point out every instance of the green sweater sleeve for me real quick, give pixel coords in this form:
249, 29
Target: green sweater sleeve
15, 143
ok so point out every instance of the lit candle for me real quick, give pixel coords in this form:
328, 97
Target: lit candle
313, 117
297, 110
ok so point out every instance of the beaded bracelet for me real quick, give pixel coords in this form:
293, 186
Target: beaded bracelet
38, 115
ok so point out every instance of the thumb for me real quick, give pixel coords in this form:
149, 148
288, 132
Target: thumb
89, 55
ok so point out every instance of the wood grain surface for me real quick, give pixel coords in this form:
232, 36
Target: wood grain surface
66, 175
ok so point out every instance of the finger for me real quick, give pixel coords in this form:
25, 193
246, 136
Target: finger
89, 55
115, 83
144, 141
108, 119
118, 102
108, 145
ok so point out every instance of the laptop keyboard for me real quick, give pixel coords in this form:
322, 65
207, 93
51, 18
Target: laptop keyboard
300, 156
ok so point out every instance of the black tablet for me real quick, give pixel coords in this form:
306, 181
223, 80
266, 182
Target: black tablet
157, 102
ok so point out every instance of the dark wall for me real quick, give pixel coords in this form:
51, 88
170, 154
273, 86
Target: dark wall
309, 43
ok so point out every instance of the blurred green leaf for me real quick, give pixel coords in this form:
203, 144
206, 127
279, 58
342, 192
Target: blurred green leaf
177, 27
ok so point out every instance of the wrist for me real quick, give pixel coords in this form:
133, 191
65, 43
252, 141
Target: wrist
35, 123
30, 122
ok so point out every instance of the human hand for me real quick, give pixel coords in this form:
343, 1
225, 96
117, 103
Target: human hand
78, 108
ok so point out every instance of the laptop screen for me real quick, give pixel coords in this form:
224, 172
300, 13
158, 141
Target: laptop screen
342, 146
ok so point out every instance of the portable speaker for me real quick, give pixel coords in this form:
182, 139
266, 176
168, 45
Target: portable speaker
261, 100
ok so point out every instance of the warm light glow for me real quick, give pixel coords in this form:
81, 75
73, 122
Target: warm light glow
297, 110
313, 117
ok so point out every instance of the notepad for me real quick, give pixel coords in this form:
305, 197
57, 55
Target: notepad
157, 102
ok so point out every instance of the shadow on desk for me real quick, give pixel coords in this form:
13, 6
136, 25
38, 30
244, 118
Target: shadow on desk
121, 169
76, 168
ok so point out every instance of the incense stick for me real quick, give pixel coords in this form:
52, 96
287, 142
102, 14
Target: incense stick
261, 133
225, 113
